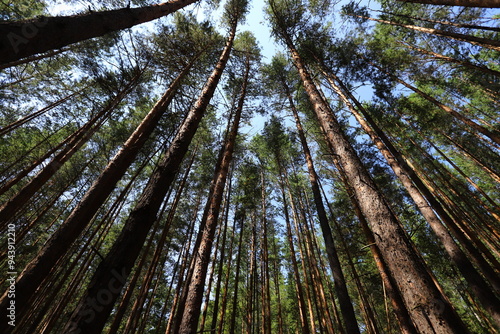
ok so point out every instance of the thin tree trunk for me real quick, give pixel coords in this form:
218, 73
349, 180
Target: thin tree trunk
208, 290
297, 281
232, 322
172, 320
346, 307
479, 41
75, 142
455, 61
14, 125
22, 39
220, 318
222, 260
33, 58
266, 294
305, 266
493, 135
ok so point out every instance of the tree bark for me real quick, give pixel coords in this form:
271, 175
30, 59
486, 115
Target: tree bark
485, 294
22, 39
346, 307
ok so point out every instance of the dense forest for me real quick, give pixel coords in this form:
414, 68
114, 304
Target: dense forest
159, 174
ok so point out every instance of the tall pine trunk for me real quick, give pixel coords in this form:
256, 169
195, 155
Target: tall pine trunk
346, 307
485, 294
25, 38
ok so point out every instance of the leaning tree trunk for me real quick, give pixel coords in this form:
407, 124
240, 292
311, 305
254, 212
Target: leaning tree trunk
430, 309
71, 146
479, 41
463, 63
464, 3
112, 273
492, 135
25, 38
58, 244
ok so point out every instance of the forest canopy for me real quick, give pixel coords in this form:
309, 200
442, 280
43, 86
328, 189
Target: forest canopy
164, 168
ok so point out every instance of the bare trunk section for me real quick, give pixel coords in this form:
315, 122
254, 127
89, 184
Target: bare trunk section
25, 38
346, 307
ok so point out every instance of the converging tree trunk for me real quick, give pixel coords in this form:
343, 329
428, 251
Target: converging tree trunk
480, 287
59, 243
339, 281
70, 147
112, 273
430, 309
189, 322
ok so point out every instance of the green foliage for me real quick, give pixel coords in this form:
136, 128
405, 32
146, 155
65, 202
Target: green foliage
21, 9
